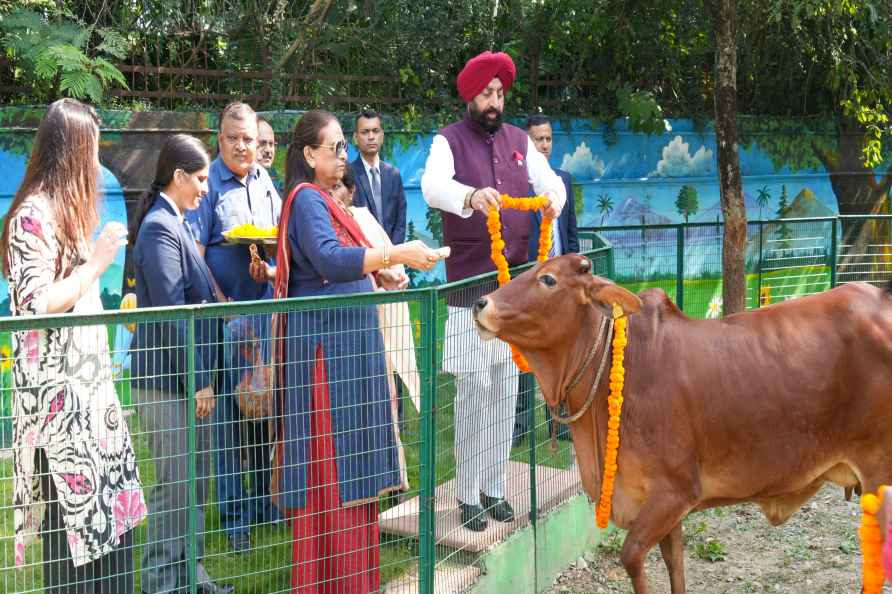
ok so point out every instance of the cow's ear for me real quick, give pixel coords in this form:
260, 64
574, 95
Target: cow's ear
608, 293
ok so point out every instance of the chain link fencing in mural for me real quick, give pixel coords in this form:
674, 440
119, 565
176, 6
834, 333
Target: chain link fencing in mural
429, 414
785, 258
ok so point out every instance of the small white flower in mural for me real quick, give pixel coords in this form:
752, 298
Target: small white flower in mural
714, 311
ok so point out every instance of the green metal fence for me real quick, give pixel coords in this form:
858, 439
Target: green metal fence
469, 400
413, 542
785, 258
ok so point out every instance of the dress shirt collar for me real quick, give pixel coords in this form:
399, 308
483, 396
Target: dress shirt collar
173, 205
368, 166
226, 173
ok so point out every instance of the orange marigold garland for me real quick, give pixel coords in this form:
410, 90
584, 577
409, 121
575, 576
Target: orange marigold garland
615, 407
494, 226
871, 543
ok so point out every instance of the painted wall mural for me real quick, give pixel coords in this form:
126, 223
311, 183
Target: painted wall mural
791, 169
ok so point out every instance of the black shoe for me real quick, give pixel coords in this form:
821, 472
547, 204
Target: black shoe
240, 542
498, 509
212, 588
472, 517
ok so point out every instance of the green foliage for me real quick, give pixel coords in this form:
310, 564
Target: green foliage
57, 55
644, 113
711, 550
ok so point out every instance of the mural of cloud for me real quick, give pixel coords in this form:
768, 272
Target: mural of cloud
582, 164
677, 160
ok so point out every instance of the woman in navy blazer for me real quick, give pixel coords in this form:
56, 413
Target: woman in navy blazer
170, 271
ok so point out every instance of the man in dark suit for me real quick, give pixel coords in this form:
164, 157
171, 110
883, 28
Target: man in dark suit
565, 240
379, 186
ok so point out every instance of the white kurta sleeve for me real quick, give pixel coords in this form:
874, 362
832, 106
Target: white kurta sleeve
438, 186
544, 179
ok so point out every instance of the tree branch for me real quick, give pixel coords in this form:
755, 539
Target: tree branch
315, 17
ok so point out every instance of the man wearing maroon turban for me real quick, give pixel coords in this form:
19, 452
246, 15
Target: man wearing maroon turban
472, 163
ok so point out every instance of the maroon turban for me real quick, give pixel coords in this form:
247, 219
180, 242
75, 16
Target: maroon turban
481, 69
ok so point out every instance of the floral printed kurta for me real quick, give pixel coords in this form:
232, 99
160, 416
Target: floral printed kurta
64, 403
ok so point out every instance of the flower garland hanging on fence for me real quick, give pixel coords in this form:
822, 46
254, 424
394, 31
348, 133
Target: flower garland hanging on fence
615, 407
494, 225
871, 542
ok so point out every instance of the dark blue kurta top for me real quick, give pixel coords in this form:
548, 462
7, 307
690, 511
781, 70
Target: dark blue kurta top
365, 445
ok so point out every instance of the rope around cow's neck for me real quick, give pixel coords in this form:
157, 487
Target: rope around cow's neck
555, 411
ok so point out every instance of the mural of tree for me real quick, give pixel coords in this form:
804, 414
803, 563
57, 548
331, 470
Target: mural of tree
605, 206
687, 203
783, 232
763, 198
411, 236
435, 224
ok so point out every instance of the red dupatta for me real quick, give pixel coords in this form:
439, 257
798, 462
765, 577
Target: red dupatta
340, 218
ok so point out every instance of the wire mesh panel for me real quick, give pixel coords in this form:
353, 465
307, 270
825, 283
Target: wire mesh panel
865, 249
308, 473
481, 493
795, 259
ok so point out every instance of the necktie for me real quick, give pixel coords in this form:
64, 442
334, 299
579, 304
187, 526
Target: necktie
553, 251
376, 194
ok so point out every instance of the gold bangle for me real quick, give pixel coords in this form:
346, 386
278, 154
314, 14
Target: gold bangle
385, 259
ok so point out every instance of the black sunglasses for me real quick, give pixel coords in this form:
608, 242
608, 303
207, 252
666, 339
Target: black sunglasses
338, 148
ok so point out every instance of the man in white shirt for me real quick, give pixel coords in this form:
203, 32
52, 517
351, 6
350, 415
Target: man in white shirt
472, 163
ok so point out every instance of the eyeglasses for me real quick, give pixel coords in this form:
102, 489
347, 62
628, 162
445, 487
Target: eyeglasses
338, 148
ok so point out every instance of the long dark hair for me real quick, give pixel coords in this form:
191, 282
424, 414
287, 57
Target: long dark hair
306, 133
180, 151
64, 167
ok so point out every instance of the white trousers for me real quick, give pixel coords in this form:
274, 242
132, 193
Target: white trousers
486, 382
484, 423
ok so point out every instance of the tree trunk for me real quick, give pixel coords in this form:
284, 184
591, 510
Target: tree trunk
724, 20
865, 245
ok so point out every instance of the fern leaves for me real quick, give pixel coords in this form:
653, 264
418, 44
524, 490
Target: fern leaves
56, 54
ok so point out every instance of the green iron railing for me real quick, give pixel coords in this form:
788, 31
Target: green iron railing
784, 259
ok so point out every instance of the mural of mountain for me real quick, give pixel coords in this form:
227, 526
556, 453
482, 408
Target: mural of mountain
806, 205
708, 215
632, 211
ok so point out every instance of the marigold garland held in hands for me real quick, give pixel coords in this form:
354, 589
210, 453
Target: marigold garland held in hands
871, 542
494, 225
617, 371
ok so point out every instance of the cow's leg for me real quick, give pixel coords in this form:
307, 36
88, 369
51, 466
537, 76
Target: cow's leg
672, 549
657, 519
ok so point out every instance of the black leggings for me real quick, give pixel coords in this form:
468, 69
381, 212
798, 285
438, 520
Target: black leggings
110, 574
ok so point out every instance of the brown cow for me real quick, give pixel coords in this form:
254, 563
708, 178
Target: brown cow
763, 406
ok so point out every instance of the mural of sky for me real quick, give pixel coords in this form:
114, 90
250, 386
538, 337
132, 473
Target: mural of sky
12, 171
624, 178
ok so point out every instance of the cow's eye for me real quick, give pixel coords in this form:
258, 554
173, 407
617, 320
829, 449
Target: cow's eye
547, 280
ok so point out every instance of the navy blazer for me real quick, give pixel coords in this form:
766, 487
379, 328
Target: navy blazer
393, 198
170, 271
566, 223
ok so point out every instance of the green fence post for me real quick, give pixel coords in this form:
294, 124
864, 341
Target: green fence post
834, 251
611, 264
191, 567
531, 423
759, 264
427, 488
679, 266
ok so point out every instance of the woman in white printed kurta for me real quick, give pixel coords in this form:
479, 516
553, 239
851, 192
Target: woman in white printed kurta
67, 421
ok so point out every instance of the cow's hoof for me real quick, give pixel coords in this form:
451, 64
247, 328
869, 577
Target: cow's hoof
498, 509
472, 517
